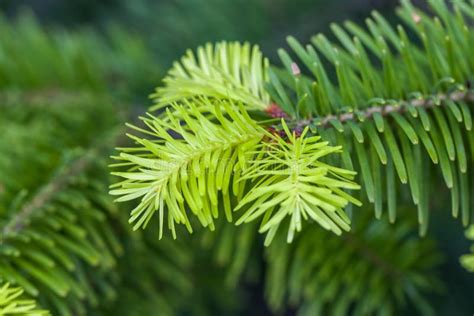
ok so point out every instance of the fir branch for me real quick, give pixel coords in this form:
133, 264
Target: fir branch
57, 184
44, 196
395, 107
321, 281
367, 101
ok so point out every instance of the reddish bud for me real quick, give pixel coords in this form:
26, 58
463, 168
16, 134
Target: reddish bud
275, 111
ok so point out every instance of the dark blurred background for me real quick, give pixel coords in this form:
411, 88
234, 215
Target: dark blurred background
170, 27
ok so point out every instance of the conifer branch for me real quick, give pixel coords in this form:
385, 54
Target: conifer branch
364, 78
20, 219
398, 107
56, 185
374, 254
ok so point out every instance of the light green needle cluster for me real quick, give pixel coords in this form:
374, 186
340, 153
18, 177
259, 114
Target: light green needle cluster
290, 180
231, 71
12, 303
199, 165
198, 168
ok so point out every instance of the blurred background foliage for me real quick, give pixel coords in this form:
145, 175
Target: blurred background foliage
118, 50
171, 27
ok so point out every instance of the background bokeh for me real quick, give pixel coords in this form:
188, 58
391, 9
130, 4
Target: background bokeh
171, 26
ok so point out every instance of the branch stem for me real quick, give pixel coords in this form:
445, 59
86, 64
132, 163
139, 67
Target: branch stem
397, 108
21, 218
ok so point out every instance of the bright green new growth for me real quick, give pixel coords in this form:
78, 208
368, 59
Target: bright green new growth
190, 170
290, 180
231, 71
205, 166
13, 303
400, 108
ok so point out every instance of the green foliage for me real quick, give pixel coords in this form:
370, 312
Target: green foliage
58, 241
200, 167
63, 240
231, 71
12, 303
233, 137
193, 169
48, 58
389, 262
389, 125
397, 104
292, 181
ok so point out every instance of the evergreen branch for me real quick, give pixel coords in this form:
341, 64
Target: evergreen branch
368, 109
381, 66
178, 170
374, 255
59, 246
56, 185
192, 170
43, 197
395, 107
